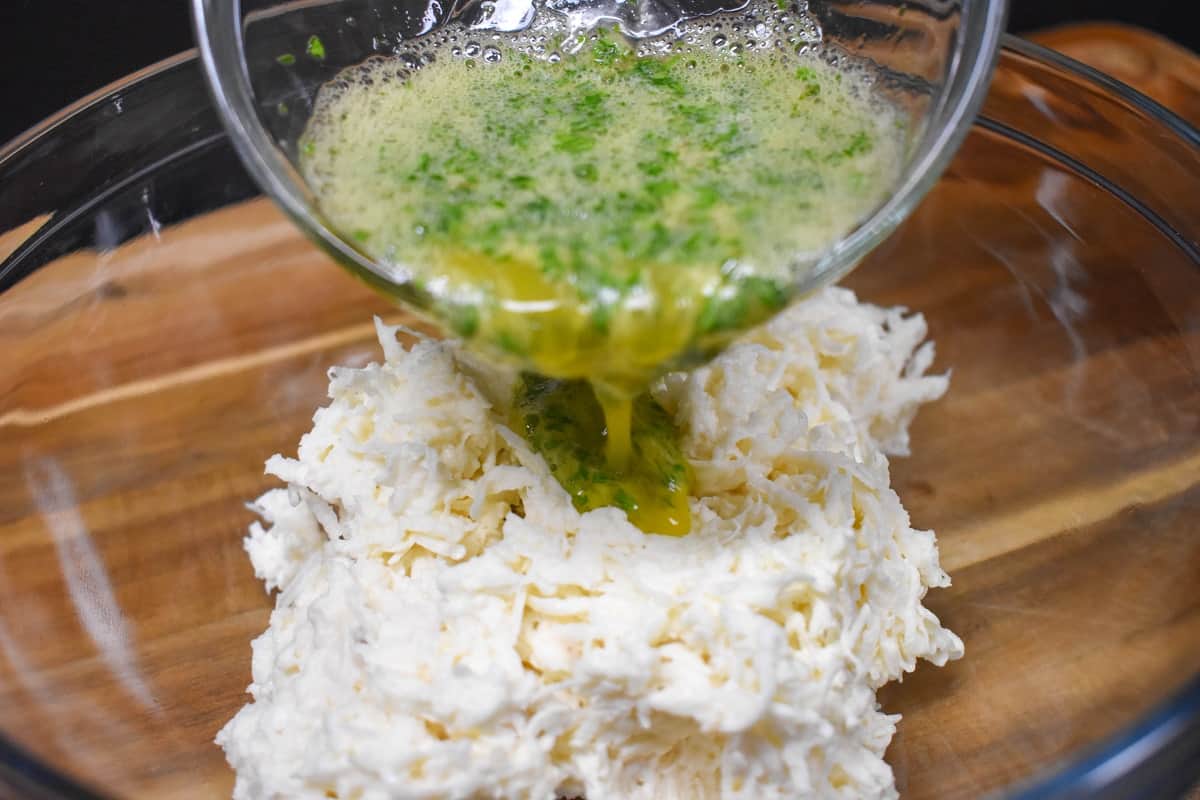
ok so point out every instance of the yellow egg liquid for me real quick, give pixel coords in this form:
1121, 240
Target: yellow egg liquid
588, 209
566, 422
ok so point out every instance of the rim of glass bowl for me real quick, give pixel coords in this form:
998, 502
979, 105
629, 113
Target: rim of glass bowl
219, 30
1163, 745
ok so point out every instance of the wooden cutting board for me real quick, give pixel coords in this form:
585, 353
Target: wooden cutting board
1152, 64
127, 604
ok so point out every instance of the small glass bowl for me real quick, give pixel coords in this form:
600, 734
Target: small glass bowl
933, 60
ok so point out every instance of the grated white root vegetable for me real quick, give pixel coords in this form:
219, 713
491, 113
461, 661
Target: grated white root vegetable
447, 625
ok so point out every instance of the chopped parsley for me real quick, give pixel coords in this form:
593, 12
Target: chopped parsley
607, 212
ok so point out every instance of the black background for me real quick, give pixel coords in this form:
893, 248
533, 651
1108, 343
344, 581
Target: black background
55, 52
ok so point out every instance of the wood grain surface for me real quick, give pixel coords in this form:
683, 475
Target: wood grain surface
1150, 63
145, 387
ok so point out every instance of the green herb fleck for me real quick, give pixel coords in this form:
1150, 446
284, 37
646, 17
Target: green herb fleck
509, 344
573, 142
741, 304
316, 48
605, 53
586, 171
860, 143
659, 72
464, 320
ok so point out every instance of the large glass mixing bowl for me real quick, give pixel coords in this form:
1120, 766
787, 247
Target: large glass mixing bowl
932, 59
164, 330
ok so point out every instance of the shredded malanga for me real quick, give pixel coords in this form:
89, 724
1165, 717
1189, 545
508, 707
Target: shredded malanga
447, 624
